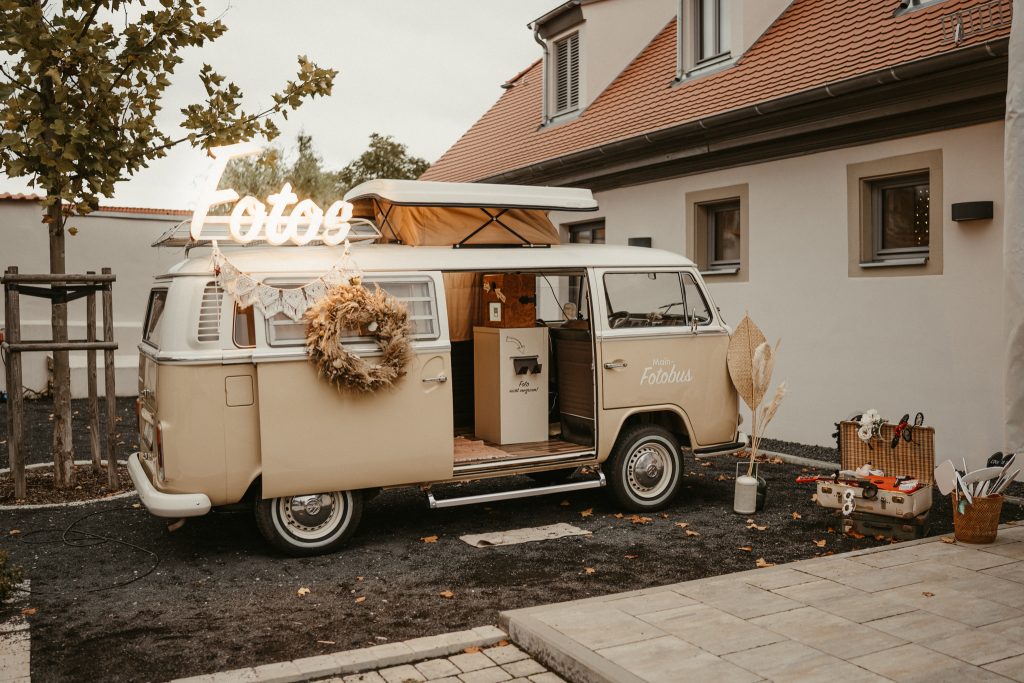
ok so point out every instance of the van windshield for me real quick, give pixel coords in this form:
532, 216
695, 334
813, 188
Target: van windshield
154, 313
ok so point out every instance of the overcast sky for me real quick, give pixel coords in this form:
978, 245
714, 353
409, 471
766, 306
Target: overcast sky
420, 71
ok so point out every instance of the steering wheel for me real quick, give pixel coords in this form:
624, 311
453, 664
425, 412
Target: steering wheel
618, 319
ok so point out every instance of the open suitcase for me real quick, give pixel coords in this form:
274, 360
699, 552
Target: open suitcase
914, 458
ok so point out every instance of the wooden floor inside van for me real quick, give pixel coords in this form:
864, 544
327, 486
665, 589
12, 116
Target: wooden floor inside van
468, 448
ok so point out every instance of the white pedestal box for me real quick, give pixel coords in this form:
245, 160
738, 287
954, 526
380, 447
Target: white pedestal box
510, 368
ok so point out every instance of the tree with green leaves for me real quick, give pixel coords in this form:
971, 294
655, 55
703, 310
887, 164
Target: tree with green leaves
265, 173
81, 84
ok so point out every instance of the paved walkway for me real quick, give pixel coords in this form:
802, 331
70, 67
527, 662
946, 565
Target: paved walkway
920, 611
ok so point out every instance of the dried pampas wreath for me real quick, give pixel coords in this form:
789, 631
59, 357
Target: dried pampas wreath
349, 307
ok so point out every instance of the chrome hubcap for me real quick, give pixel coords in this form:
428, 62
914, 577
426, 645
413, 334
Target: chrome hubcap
310, 513
649, 469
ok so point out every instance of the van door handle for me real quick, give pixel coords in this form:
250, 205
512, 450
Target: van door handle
440, 379
615, 364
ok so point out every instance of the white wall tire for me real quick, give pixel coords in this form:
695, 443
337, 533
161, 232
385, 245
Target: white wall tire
645, 468
307, 525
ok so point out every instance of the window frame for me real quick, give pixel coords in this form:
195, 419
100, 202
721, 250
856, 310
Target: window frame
574, 41
712, 210
877, 187
684, 327
573, 230
718, 54
698, 229
864, 224
147, 332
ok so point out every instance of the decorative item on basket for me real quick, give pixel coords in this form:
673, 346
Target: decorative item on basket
977, 496
751, 360
893, 482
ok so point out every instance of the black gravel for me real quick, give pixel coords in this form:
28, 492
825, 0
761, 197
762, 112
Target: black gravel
152, 604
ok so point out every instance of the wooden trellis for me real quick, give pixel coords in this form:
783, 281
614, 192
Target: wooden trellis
62, 288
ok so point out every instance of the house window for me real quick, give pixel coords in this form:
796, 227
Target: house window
591, 232
566, 74
717, 231
895, 216
711, 23
900, 216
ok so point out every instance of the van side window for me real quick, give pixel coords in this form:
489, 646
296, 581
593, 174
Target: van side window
654, 299
154, 311
243, 328
416, 294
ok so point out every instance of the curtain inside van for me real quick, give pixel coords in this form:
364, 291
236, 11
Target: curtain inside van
462, 296
446, 225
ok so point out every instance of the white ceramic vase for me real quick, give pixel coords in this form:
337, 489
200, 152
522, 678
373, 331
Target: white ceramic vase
744, 500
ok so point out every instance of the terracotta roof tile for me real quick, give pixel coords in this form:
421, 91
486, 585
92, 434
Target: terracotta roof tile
19, 197
813, 43
32, 197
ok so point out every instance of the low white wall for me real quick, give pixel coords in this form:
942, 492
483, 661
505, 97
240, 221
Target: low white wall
120, 241
898, 344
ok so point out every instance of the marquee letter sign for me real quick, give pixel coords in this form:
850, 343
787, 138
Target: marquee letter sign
252, 220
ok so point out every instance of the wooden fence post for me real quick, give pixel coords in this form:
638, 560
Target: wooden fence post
12, 322
108, 381
90, 368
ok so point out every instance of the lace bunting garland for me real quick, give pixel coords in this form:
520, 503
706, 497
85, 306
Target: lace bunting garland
249, 291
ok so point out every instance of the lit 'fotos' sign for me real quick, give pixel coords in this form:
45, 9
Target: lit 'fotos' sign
252, 220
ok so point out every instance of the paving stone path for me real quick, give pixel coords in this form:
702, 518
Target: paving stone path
490, 665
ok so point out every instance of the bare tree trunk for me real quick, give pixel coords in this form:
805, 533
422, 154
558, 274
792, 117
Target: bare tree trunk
63, 449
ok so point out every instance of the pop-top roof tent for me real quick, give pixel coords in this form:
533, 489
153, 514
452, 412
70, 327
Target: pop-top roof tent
431, 213
423, 213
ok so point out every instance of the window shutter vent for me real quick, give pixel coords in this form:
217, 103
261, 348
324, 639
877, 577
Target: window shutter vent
567, 73
209, 313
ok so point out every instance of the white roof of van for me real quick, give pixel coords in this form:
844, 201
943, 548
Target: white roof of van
394, 257
434, 193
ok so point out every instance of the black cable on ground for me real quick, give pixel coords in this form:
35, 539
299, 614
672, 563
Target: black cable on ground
93, 540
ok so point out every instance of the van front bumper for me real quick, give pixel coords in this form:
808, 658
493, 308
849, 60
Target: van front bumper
163, 504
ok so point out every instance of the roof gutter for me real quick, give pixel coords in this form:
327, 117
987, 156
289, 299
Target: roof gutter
543, 72
930, 65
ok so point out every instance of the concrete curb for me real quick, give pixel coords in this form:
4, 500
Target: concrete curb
356, 661
71, 504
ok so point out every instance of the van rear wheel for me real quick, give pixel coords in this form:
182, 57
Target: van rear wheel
644, 469
313, 524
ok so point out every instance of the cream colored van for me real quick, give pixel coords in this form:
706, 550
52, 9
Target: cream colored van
576, 365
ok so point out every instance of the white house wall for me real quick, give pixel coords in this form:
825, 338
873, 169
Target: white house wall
899, 344
103, 240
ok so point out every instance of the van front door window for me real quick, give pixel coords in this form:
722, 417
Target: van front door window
654, 299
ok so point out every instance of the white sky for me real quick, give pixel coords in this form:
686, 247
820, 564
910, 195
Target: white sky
421, 71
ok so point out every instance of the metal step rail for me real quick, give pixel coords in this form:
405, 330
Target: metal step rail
520, 493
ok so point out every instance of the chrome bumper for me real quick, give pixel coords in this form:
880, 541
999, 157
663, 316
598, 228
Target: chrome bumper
163, 504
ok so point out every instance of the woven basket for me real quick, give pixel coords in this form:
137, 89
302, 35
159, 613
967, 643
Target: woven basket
980, 522
914, 458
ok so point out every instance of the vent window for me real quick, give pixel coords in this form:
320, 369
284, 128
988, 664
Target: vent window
209, 313
567, 74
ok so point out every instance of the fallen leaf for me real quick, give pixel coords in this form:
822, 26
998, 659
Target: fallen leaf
361, 598
762, 563
429, 539
631, 557
29, 611
755, 526
637, 519
587, 513
820, 544
776, 460
682, 525
565, 503
928, 594
880, 537
302, 592
705, 464
326, 642
617, 515
501, 643
948, 539
750, 520
14, 532
814, 497
174, 526
589, 570
745, 548
826, 554
471, 649
448, 595
854, 534
359, 578
796, 515
831, 530
722, 477
690, 532
664, 515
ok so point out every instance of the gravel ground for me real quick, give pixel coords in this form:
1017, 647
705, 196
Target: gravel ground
154, 604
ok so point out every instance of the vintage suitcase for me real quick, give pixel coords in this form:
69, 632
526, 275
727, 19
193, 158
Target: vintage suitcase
509, 301
914, 458
880, 525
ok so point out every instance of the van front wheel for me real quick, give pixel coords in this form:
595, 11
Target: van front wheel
644, 469
312, 524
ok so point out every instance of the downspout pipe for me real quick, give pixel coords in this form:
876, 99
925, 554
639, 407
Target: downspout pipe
680, 67
543, 72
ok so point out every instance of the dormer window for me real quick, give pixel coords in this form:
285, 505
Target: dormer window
711, 21
565, 75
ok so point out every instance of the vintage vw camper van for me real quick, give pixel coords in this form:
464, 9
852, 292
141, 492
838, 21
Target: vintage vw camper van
579, 366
